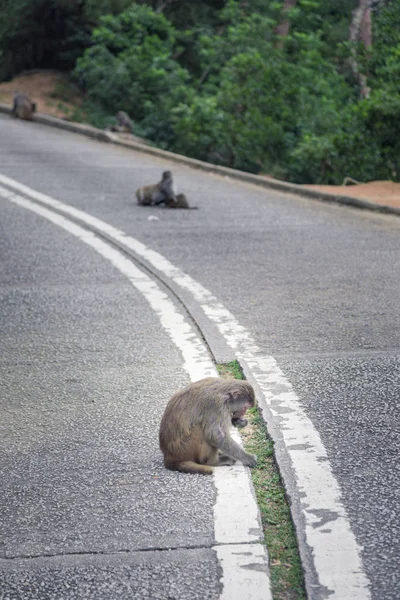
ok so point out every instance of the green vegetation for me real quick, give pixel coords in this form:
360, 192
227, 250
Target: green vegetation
227, 81
285, 567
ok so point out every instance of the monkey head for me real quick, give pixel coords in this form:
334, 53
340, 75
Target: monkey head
240, 398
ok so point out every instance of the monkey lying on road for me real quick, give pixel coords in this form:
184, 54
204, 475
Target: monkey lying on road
180, 202
23, 107
195, 427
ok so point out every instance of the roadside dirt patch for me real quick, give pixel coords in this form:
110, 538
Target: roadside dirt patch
51, 91
381, 192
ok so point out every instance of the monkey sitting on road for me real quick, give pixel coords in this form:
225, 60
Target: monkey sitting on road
124, 124
195, 427
23, 107
159, 193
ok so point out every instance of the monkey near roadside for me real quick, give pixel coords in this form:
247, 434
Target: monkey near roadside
159, 193
124, 123
23, 107
195, 427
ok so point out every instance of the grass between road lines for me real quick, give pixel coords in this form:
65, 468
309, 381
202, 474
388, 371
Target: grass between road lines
284, 561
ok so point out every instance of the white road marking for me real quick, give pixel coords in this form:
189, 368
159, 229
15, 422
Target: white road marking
233, 492
334, 549
236, 516
250, 560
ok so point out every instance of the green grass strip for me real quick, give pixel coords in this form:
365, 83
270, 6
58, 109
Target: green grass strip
287, 581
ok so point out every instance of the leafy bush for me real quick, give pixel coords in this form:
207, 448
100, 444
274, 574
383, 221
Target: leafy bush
130, 66
214, 81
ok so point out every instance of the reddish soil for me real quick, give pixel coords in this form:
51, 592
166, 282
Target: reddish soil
381, 192
51, 91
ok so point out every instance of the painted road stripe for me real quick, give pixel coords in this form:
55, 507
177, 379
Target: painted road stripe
333, 548
236, 516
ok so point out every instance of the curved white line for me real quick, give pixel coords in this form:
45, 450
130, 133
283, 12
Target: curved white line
236, 516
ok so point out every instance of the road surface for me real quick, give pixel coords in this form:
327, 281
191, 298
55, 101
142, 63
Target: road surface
310, 294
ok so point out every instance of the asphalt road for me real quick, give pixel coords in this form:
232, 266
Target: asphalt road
316, 285
82, 397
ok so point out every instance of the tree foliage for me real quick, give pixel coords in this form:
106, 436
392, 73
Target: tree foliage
216, 81
130, 66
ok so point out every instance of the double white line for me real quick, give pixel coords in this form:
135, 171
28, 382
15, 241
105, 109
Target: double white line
238, 532
329, 550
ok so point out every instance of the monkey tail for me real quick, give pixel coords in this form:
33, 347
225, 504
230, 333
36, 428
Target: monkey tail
188, 466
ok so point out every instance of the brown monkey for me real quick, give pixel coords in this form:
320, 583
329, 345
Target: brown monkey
195, 427
159, 193
124, 124
180, 202
23, 107
124, 121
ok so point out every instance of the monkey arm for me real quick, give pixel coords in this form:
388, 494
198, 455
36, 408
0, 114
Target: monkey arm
215, 436
231, 448
223, 441
159, 197
162, 200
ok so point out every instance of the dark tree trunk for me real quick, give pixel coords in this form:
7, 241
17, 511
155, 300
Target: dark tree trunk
282, 29
360, 31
